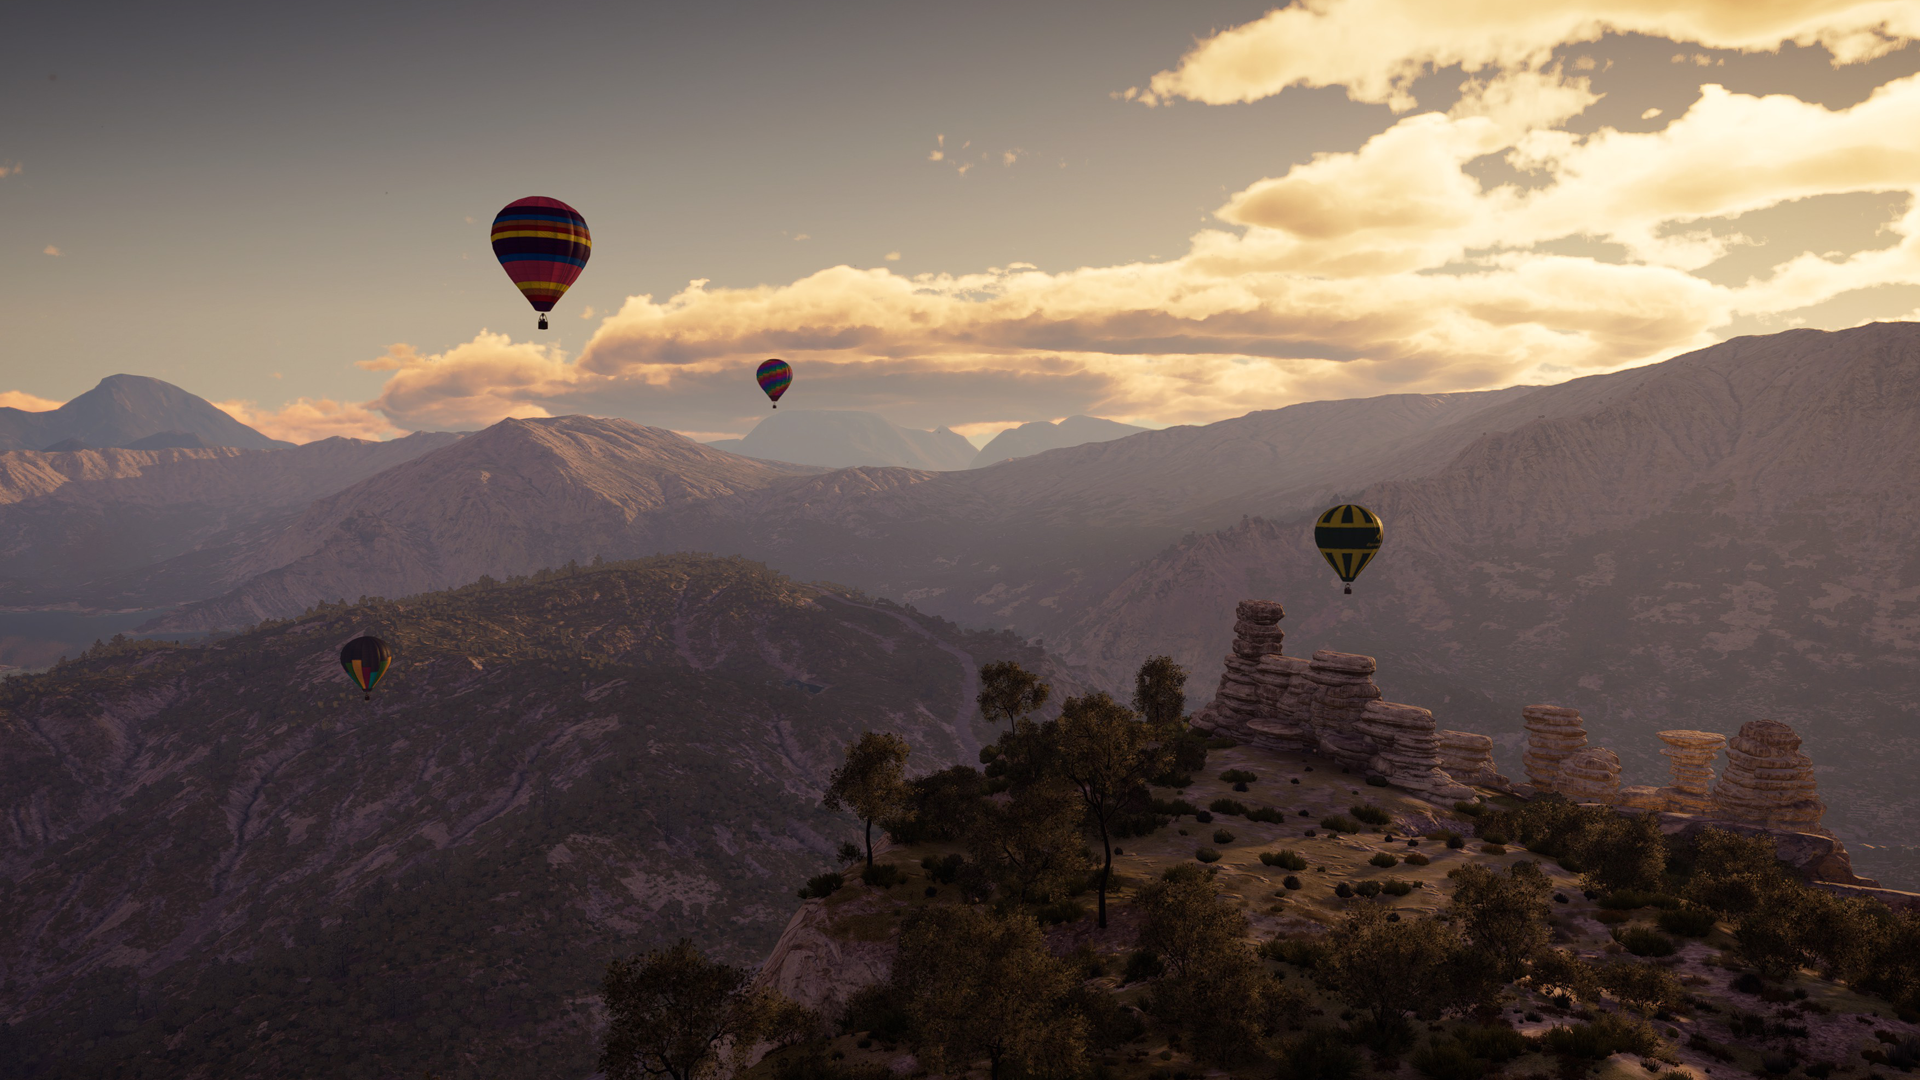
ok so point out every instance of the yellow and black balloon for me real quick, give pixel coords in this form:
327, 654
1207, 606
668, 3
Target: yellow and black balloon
1349, 537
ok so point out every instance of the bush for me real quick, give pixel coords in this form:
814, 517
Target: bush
1343, 890
1383, 860
1290, 882
1060, 911
1228, 806
1141, 964
1396, 887
1318, 1053
1368, 888
1376, 780
1493, 849
1267, 814
1207, 854
1304, 952
1469, 809
1285, 860
878, 1010
882, 875
1497, 839
1448, 1060
1414, 858
1372, 815
1641, 941
1173, 807
1634, 899
1238, 776
1496, 1043
1687, 922
1222, 836
822, 886
1604, 1037
1340, 823
944, 870
1221, 742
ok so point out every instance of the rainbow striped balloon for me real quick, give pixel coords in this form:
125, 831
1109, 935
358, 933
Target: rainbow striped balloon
542, 244
366, 659
774, 377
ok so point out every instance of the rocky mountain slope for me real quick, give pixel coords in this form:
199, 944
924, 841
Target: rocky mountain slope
218, 861
1724, 537
1041, 435
838, 438
123, 410
81, 527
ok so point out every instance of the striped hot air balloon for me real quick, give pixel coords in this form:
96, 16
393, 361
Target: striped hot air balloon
542, 244
774, 376
1349, 537
366, 659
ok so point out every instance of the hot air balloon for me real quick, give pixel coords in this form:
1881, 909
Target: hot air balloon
1349, 536
542, 244
366, 659
774, 376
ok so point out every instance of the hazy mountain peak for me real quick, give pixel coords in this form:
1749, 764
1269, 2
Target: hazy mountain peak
129, 411
1032, 438
840, 438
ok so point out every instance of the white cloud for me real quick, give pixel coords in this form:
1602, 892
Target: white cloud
305, 420
25, 402
893, 256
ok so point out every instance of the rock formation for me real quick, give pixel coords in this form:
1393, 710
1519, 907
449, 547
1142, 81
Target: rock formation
1692, 754
1468, 758
1255, 702
1590, 775
1553, 735
1408, 753
1768, 781
1343, 684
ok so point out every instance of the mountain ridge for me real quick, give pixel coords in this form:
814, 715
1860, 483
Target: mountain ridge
124, 409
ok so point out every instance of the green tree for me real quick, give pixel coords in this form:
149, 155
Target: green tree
1214, 989
1106, 754
1184, 921
672, 1012
1733, 874
1160, 691
1010, 693
980, 983
1391, 969
1622, 852
1504, 919
872, 782
1032, 842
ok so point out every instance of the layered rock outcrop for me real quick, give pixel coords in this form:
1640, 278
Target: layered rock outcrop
1343, 685
1590, 775
1408, 753
1554, 734
1768, 781
1468, 758
1691, 754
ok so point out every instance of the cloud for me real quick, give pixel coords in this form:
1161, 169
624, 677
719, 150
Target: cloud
305, 420
1393, 267
1376, 49
10, 170
25, 402
893, 256
51, 250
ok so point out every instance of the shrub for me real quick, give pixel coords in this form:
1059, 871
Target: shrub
822, 885
1267, 814
1240, 787
882, 875
1304, 952
1285, 860
1448, 1060
1060, 911
1493, 849
1222, 836
1368, 888
943, 869
1340, 823
1496, 1043
1634, 899
1203, 817
1396, 887
1207, 854
1141, 964
1221, 742
1228, 806
877, 1009
1172, 779
1290, 882
1613, 918
1383, 860
1173, 807
1604, 1037
1376, 780
1497, 839
1238, 776
1687, 922
1641, 941
1469, 809
1372, 815
1414, 858
1343, 890
1318, 1053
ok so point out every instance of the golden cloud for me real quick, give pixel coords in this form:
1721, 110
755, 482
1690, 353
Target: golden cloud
306, 420
25, 402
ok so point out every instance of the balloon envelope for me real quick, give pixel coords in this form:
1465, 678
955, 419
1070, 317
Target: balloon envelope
366, 659
542, 244
774, 377
1349, 536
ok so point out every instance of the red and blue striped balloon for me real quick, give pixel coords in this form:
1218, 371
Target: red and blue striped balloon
774, 377
542, 244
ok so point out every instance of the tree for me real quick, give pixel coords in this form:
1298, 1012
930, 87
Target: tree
672, 1012
1504, 918
1032, 842
1214, 989
1621, 853
980, 983
873, 782
1160, 691
1013, 694
1183, 920
1106, 755
1390, 969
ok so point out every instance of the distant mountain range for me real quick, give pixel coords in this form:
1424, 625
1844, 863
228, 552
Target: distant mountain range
1029, 439
132, 412
838, 438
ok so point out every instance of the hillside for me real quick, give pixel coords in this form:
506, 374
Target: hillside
839, 438
127, 409
220, 862
1028, 439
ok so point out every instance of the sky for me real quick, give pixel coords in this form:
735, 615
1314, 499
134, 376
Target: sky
964, 215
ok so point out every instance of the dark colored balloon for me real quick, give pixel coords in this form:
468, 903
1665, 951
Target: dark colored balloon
366, 659
1349, 536
774, 377
542, 244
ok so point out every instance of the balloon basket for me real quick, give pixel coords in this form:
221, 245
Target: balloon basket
543, 322
1348, 590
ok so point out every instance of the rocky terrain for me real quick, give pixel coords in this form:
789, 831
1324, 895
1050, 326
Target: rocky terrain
217, 860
